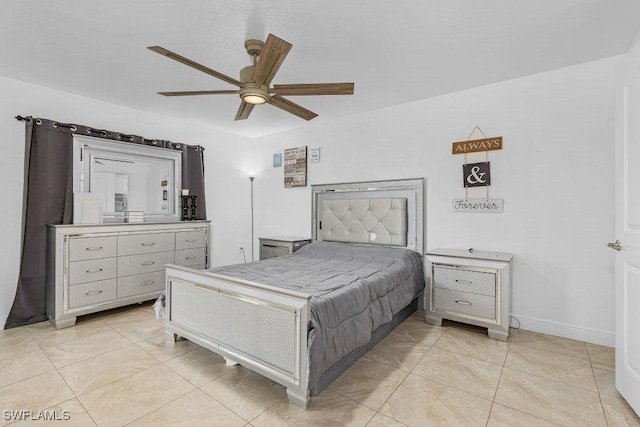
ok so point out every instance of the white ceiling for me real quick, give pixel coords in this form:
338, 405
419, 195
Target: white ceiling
395, 51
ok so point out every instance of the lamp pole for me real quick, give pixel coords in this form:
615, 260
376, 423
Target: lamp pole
251, 178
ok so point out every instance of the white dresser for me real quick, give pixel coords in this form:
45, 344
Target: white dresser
471, 287
96, 267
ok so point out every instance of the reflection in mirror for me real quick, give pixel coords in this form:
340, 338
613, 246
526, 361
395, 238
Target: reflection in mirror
128, 178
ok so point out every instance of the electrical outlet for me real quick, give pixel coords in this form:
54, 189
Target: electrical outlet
241, 250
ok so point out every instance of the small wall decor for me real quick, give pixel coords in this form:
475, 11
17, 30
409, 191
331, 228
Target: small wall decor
314, 155
475, 145
295, 167
476, 173
277, 160
478, 205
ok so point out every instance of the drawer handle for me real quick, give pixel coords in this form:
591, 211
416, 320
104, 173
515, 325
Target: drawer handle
191, 240
93, 293
95, 270
467, 282
148, 244
463, 302
97, 248
190, 257
148, 282
148, 263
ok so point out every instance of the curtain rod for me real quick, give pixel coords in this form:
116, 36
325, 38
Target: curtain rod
103, 132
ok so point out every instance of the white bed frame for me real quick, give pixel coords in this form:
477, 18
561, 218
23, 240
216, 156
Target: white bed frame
262, 327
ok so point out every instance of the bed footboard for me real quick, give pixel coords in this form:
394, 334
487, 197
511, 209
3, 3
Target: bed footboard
261, 327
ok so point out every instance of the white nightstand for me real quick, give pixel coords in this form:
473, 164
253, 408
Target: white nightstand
271, 247
471, 287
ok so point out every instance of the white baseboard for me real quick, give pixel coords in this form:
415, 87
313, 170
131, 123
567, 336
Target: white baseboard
3, 320
593, 336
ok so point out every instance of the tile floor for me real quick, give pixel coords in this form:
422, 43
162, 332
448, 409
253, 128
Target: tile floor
117, 368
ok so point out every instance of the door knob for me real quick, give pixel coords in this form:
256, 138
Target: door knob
615, 245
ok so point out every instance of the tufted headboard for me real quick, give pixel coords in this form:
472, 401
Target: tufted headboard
374, 212
381, 221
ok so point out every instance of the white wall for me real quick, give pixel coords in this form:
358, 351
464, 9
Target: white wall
222, 177
555, 174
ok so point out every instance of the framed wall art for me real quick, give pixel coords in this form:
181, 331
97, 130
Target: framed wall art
295, 167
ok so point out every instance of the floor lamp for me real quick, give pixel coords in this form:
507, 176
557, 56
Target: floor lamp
251, 178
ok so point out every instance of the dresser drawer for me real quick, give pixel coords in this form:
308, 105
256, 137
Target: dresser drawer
190, 239
145, 263
145, 243
477, 282
92, 293
189, 257
140, 284
465, 303
92, 270
82, 248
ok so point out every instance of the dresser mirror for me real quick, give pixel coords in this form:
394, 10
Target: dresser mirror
128, 178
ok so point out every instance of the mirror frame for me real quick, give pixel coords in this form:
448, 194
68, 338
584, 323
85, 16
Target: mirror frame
81, 183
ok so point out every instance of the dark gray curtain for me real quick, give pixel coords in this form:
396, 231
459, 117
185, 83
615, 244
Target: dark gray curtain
193, 176
48, 199
48, 185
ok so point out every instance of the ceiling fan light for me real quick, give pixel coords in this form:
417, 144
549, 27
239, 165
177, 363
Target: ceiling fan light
254, 98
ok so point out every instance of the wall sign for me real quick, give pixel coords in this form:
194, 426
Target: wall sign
474, 145
295, 167
478, 205
476, 174
314, 155
277, 160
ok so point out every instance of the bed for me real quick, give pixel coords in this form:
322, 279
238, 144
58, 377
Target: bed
303, 319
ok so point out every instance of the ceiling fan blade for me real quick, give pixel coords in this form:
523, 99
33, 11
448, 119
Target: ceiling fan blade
199, 92
291, 107
193, 64
269, 61
244, 110
314, 89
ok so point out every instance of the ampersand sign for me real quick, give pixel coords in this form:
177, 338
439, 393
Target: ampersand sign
476, 174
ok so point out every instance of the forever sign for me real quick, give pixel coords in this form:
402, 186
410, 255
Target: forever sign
478, 205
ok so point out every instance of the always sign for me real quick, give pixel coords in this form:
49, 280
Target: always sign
487, 144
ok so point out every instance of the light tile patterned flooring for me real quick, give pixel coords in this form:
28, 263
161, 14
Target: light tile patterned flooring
118, 368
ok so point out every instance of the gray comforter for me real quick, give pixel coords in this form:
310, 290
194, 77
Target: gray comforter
354, 289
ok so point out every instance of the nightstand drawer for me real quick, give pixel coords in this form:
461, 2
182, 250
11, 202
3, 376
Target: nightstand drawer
465, 303
190, 239
466, 280
92, 270
146, 243
267, 251
280, 246
92, 293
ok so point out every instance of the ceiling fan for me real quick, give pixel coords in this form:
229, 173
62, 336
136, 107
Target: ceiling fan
255, 80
